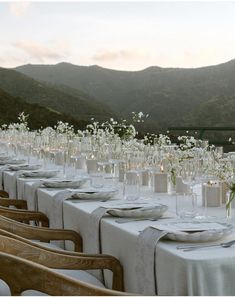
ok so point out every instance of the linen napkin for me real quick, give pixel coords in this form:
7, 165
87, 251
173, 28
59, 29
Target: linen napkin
55, 210
31, 195
145, 265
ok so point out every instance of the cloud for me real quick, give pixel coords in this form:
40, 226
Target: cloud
109, 55
43, 53
19, 9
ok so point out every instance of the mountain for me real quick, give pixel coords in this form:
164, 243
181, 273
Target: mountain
77, 104
171, 96
39, 116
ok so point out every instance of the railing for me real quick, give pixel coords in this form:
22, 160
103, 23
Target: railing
201, 132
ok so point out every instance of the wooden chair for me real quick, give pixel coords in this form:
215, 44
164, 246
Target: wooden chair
42, 234
19, 204
4, 194
22, 275
56, 260
26, 216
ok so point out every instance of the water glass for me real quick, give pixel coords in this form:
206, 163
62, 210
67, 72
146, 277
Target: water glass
186, 205
131, 185
97, 180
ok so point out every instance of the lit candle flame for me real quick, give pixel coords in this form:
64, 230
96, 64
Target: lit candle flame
162, 168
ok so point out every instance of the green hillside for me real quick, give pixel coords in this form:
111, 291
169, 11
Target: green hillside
171, 96
39, 116
32, 91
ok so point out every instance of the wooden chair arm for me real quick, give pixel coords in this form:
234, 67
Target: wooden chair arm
4, 194
22, 275
54, 260
25, 215
20, 204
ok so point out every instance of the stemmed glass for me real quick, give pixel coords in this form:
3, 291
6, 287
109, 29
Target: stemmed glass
189, 173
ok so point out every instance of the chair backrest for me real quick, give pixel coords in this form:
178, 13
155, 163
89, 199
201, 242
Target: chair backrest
4, 194
60, 259
24, 215
22, 275
36, 233
16, 203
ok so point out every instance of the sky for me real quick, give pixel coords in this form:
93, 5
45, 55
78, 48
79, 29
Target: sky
118, 35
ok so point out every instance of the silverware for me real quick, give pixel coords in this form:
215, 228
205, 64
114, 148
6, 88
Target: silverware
188, 248
122, 221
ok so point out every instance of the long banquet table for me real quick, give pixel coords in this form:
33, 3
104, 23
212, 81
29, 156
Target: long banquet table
210, 271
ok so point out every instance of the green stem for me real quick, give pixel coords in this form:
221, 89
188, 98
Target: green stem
228, 203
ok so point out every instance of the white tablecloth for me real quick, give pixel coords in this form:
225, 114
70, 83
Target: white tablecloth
209, 271
205, 272
10, 184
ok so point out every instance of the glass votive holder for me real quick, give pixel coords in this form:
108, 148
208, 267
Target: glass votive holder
186, 205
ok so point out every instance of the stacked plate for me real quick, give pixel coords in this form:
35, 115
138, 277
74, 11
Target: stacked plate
4, 160
24, 167
139, 211
196, 231
40, 173
95, 194
65, 183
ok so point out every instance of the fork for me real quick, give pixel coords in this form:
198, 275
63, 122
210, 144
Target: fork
195, 247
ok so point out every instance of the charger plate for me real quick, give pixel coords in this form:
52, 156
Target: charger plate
12, 161
138, 211
95, 194
65, 183
196, 231
24, 167
40, 173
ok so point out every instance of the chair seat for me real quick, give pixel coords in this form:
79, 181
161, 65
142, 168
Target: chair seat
77, 274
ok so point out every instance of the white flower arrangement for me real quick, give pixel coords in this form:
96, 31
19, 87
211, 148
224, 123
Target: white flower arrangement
162, 140
186, 142
64, 128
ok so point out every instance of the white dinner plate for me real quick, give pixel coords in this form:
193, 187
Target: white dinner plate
196, 231
95, 194
135, 211
11, 161
65, 183
40, 173
24, 167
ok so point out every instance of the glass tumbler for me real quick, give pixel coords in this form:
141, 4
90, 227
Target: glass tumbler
186, 205
131, 185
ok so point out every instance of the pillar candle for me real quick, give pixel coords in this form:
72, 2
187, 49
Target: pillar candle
145, 178
160, 182
91, 165
212, 192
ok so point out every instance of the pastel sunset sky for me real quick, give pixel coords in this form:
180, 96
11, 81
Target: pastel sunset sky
118, 35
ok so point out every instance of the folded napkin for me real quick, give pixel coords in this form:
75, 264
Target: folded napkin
32, 197
145, 265
55, 210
